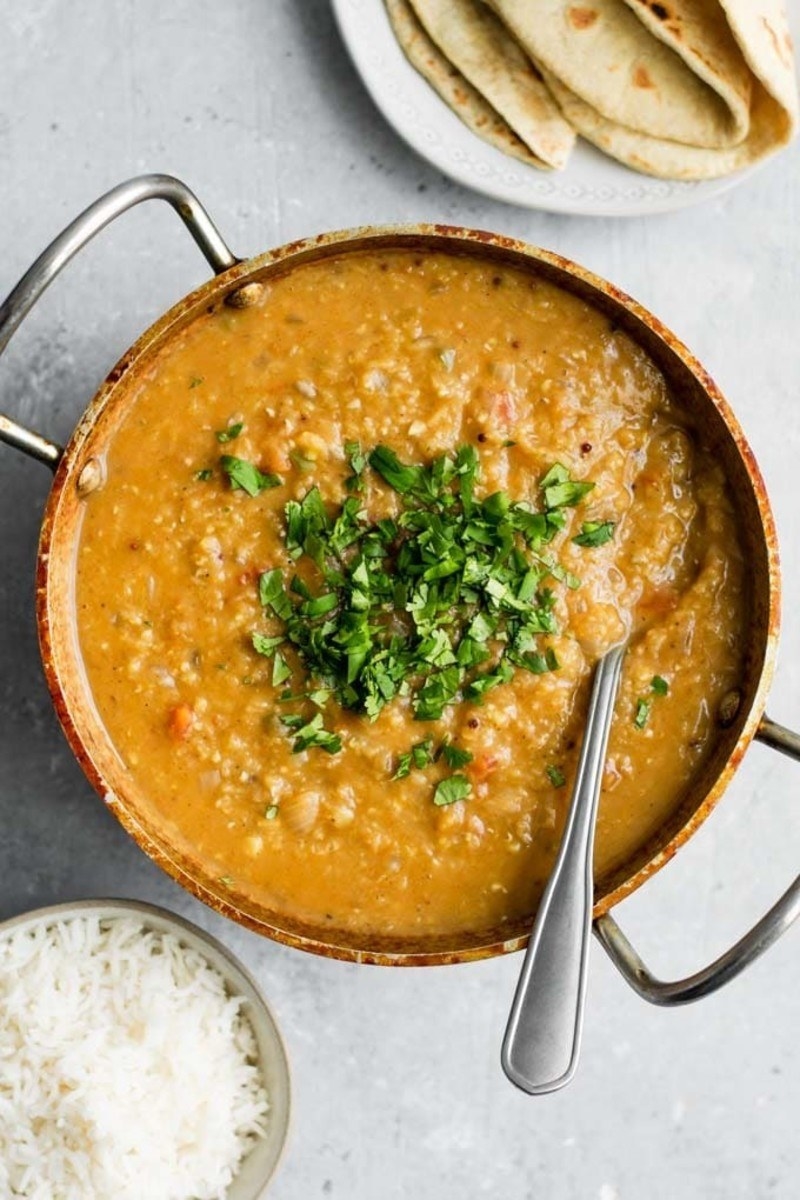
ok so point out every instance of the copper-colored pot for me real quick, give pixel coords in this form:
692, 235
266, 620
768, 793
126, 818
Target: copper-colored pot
78, 469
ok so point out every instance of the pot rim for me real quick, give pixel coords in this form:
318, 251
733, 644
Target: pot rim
222, 286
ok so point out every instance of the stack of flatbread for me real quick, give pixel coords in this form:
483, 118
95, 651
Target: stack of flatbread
684, 89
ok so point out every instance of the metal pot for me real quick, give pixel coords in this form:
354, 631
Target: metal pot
79, 469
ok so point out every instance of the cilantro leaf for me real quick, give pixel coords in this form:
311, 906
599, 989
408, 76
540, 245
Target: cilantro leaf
492, 679
559, 490
272, 594
566, 494
266, 645
401, 477
642, 713
313, 734
659, 685
403, 766
292, 721
281, 671
422, 753
356, 457
420, 756
358, 464
317, 606
437, 691
243, 475
558, 473
454, 756
301, 461
231, 432
556, 776
454, 787
595, 533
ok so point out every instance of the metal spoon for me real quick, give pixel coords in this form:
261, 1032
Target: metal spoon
543, 1036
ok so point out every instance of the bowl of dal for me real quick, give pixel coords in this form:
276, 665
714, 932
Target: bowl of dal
329, 560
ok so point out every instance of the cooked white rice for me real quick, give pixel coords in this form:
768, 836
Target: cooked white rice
126, 1070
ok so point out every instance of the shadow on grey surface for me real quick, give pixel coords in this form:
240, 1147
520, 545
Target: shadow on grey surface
55, 831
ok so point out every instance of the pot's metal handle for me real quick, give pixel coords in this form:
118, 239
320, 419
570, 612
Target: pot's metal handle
110, 206
733, 961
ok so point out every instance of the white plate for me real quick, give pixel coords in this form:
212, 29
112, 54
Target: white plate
592, 184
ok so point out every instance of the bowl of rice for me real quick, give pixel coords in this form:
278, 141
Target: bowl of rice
137, 1059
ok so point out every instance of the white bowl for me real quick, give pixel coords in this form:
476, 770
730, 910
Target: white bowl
259, 1165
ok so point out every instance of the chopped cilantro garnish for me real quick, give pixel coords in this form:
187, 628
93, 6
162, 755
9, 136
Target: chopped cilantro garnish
271, 812
454, 787
317, 606
419, 756
560, 491
358, 463
403, 766
437, 691
556, 776
266, 645
454, 756
558, 473
440, 603
301, 461
481, 627
272, 595
313, 734
422, 753
231, 432
204, 474
659, 687
402, 478
244, 475
281, 671
567, 494
292, 720
356, 457
491, 679
595, 533
195, 381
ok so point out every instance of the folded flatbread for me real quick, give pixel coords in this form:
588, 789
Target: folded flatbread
699, 33
477, 43
667, 160
760, 31
458, 94
713, 34
605, 55
681, 89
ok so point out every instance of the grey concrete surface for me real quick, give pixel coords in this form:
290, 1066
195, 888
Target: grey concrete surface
398, 1090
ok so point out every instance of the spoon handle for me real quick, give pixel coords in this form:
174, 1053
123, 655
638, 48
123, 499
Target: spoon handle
542, 1039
